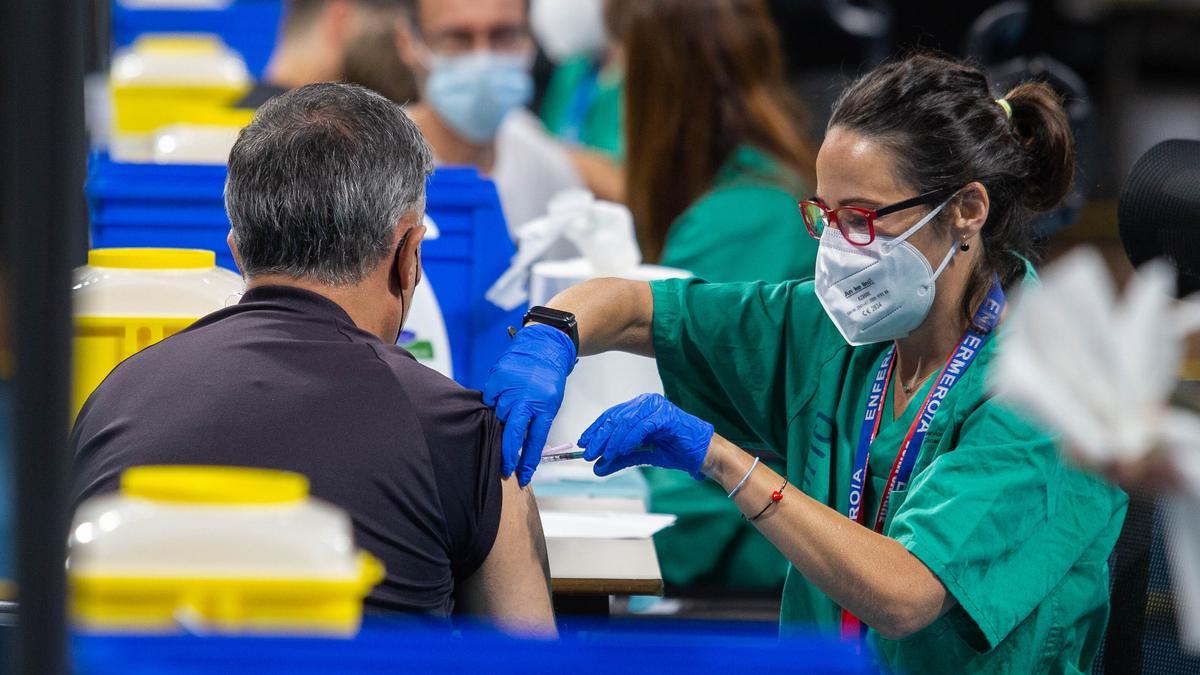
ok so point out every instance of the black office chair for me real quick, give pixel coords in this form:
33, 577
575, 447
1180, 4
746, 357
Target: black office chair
1159, 216
996, 41
1143, 634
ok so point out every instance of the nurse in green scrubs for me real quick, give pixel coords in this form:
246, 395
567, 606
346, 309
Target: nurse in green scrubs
917, 512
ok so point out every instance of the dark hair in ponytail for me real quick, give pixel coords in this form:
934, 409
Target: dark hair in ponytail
945, 129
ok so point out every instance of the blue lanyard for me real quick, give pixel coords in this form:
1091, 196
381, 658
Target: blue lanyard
960, 359
579, 106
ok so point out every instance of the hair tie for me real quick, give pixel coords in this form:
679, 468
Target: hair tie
1003, 103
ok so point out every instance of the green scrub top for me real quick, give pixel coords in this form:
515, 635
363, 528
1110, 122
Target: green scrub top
582, 104
1019, 538
748, 227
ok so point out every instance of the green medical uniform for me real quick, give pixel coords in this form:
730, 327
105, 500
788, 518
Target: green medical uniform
1018, 537
582, 104
747, 228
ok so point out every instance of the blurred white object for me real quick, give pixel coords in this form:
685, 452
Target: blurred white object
566, 28
531, 167
604, 380
122, 535
1101, 372
601, 231
194, 144
424, 332
178, 59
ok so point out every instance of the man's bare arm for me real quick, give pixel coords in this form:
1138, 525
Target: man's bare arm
511, 589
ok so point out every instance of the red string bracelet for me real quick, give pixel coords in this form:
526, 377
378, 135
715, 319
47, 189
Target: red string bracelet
776, 497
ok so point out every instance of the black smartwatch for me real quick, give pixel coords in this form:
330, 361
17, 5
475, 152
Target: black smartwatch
555, 318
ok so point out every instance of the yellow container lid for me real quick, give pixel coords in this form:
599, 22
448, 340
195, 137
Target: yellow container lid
214, 485
179, 43
152, 258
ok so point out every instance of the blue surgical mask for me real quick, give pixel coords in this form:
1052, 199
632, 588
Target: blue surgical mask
474, 92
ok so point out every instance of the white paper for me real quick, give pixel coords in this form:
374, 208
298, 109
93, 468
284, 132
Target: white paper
602, 231
1101, 371
603, 525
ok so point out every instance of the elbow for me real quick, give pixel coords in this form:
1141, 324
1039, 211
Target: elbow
903, 619
898, 629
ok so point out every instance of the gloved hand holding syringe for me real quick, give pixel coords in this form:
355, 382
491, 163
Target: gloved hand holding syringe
648, 430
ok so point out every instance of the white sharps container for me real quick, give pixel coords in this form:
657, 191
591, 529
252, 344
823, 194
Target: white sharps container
604, 380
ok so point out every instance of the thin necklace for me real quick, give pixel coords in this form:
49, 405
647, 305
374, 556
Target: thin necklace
914, 383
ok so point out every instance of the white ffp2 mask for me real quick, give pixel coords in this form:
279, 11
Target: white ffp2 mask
878, 292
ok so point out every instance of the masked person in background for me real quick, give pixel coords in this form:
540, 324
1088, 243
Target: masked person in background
319, 41
918, 512
583, 100
471, 59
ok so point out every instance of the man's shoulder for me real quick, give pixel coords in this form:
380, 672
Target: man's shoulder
431, 392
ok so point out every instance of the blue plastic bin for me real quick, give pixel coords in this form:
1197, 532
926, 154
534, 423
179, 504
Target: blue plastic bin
249, 26
183, 206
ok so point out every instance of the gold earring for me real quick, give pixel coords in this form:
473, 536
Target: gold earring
964, 246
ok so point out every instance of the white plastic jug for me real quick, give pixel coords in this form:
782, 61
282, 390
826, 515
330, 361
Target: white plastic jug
424, 332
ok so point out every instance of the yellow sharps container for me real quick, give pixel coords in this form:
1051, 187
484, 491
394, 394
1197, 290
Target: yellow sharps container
126, 299
210, 549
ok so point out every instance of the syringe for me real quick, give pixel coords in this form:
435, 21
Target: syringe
561, 453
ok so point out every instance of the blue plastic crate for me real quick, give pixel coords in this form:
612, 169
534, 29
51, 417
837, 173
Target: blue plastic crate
249, 26
183, 206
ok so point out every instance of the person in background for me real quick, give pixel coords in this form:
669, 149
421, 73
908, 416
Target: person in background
315, 40
716, 158
583, 100
372, 62
471, 59
716, 164
326, 195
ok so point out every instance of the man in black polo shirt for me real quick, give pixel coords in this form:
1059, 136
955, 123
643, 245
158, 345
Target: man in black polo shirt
326, 194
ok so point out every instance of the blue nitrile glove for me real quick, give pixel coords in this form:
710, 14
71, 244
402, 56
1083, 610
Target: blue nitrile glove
677, 440
525, 386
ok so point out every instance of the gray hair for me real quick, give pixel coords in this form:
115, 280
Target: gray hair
319, 180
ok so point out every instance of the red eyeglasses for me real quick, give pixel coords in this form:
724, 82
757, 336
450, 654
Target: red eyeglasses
856, 224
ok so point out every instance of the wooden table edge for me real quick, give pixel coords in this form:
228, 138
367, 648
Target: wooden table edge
607, 586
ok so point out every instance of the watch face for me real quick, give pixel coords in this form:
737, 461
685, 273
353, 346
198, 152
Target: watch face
550, 315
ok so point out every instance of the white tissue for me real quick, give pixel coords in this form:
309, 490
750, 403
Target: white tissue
602, 231
1101, 371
